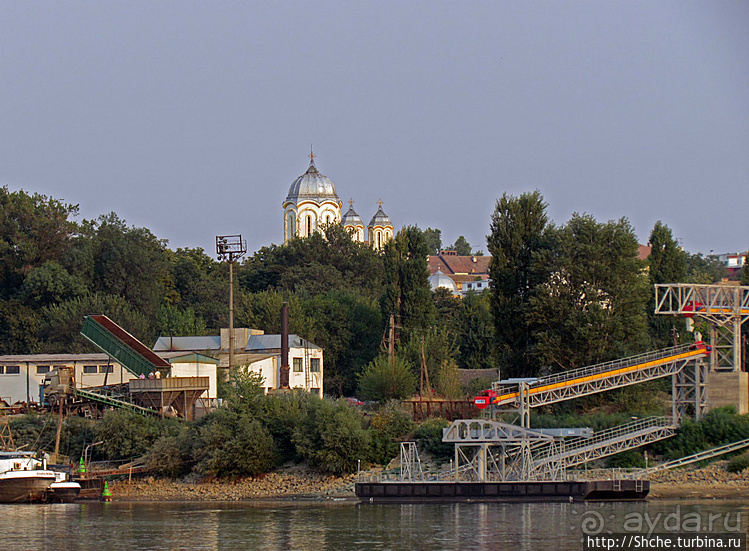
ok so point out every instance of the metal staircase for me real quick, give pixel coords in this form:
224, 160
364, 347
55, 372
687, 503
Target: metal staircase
607, 442
598, 378
701, 456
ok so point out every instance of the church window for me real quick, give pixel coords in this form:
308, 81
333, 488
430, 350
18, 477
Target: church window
291, 225
379, 240
309, 225
327, 220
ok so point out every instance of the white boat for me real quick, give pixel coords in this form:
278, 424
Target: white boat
63, 490
23, 478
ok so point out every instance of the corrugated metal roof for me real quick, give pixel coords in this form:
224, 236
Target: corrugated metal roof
187, 344
53, 358
187, 357
273, 342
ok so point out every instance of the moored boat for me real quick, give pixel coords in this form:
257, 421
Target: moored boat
23, 478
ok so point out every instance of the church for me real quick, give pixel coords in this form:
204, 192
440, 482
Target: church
312, 204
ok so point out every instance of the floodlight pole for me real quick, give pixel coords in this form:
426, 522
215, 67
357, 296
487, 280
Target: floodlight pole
230, 247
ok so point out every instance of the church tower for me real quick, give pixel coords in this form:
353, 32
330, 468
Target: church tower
380, 229
353, 224
311, 205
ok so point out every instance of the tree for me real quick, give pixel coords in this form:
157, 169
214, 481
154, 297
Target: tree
407, 290
433, 239
34, 229
667, 263
475, 332
518, 232
592, 308
461, 246
49, 284
383, 380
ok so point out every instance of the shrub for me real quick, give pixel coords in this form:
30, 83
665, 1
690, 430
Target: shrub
429, 436
738, 464
382, 381
126, 434
387, 427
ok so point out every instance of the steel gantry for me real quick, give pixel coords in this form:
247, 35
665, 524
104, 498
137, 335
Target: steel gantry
724, 307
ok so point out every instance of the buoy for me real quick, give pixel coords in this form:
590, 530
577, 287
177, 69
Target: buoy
82, 466
106, 495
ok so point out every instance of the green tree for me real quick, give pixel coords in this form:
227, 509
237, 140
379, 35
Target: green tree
19, 328
704, 270
407, 290
50, 283
126, 261
461, 246
519, 231
34, 229
383, 380
667, 263
593, 307
433, 240
61, 323
475, 332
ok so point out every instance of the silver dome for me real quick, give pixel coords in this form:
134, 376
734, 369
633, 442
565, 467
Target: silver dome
380, 218
351, 218
438, 279
312, 186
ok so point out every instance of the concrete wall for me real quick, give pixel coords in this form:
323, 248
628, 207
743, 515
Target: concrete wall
728, 388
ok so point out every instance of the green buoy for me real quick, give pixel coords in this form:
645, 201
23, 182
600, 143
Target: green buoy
82, 466
106, 494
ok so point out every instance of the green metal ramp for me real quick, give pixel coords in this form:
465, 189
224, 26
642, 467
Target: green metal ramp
122, 347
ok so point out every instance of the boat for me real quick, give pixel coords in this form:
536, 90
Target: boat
63, 490
23, 478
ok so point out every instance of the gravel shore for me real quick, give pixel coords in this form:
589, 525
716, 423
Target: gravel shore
711, 482
283, 485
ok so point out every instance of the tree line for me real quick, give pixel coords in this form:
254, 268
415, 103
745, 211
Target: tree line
561, 296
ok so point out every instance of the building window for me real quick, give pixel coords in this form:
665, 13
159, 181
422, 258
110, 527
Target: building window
12, 369
314, 390
297, 365
291, 225
90, 369
106, 369
309, 225
314, 365
2, 369
42, 369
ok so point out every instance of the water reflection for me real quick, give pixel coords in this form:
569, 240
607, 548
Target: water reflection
335, 525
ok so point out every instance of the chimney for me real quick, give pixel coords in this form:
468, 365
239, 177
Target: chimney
284, 380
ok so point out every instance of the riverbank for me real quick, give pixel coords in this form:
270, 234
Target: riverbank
711, 482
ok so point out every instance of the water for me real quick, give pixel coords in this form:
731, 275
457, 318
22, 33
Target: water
346, 525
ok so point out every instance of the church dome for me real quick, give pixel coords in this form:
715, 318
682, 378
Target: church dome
351, 218
438, 279
312, 186
380, 219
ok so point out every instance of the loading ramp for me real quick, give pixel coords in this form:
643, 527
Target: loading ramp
122, 347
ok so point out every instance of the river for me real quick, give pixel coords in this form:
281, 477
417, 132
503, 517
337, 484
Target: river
348, 525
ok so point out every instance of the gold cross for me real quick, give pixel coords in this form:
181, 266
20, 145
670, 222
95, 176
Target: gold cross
311, 155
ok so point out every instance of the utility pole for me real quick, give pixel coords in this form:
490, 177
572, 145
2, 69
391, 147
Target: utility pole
230, 248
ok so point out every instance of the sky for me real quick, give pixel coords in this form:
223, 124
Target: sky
192, 119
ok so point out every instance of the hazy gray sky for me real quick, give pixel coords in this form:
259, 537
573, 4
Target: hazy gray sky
193, 118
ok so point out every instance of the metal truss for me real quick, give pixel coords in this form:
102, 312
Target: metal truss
549, 463
725, 307
410, 464
596, 378
472, 431
689, 392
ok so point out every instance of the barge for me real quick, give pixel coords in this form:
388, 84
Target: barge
514, 491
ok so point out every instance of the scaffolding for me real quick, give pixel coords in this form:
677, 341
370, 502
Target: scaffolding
724, 307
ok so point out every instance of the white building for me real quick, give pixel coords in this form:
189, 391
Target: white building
21, 376
259, 353
313, 204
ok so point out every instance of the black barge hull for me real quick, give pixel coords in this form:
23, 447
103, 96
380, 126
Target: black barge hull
420, 492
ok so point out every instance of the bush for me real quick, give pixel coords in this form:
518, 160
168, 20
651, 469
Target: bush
739, 463
330, 436
382, 381
429, 436
626, 460
126, 434
387, 427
